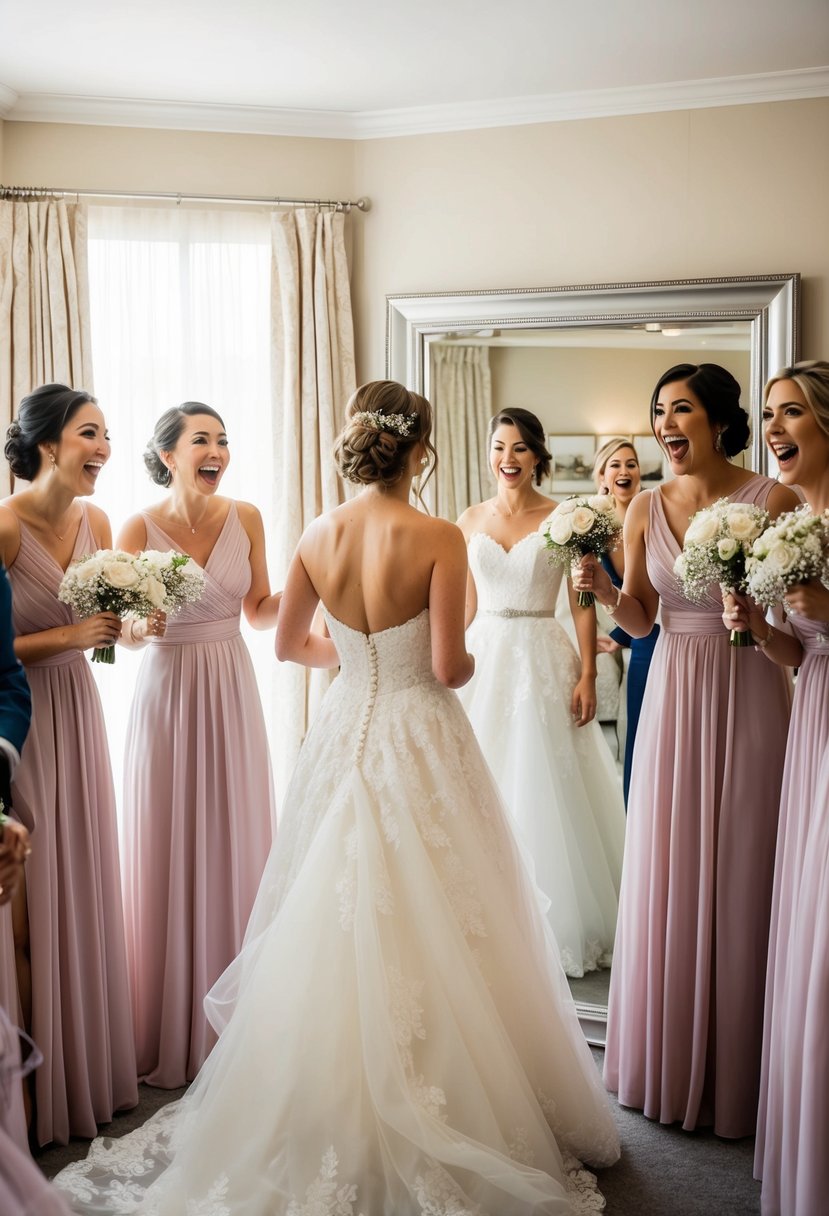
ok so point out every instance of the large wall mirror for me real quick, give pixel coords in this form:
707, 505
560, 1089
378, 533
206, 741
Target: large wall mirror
584, 359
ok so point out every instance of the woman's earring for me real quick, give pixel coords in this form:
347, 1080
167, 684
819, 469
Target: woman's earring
52, 459
718, 441
424, 460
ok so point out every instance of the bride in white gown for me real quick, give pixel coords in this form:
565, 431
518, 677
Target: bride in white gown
397, 1038
532, 703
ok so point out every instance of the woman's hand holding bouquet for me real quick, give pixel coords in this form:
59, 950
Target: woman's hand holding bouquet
581, 525
715, 550
112, 584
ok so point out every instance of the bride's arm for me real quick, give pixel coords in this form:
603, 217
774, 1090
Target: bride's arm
583, 701
295, 640
451, 663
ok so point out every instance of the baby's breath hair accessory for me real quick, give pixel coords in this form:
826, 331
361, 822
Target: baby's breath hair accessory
394, 424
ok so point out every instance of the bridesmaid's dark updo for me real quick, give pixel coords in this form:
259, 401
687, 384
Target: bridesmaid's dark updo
531, 431
383, 422
41, 418
719, 394
167, 434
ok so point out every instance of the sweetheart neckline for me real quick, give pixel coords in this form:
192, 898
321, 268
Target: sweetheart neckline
512, 548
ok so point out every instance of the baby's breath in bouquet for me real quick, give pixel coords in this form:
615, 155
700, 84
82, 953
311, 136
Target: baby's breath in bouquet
716, 548
127, 584
172, 579
794, 549
582, 524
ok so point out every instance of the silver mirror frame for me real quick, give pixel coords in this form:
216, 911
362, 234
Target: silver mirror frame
770, 302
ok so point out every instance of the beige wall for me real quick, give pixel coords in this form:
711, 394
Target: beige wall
741, 190
738, 190
590, 390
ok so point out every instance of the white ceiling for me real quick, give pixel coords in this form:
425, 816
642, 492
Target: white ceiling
318, 67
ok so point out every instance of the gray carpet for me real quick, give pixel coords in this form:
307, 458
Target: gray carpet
663, 1171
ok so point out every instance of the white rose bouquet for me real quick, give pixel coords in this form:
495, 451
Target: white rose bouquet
795, 549
582, 524
127, 584
716, 549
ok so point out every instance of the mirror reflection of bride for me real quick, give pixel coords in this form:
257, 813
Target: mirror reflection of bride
532, 703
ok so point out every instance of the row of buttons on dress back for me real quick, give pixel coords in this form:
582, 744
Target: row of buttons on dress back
372, 694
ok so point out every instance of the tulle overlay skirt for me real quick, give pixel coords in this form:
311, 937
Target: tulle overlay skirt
402, 1039
558, 780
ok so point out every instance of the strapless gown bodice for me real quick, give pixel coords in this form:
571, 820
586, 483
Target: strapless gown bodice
519, 579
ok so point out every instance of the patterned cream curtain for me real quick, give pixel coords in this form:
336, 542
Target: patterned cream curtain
313, 376
461, 393
44, 301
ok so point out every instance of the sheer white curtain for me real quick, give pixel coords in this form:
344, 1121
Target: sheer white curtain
461, 395
180, 310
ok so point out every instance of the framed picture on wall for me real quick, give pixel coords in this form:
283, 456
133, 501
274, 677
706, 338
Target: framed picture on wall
572, 471
653, 463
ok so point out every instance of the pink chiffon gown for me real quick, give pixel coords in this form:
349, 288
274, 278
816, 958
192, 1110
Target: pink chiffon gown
792, 1154
63, 793
198, 812
686, 992
23, 1189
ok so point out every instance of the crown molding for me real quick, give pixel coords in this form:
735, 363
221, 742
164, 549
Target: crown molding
415, 120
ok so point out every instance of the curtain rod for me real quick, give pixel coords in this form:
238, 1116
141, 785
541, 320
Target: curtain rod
32, 193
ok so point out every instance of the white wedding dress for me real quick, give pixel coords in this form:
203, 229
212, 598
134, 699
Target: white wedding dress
398, 1038
558, 780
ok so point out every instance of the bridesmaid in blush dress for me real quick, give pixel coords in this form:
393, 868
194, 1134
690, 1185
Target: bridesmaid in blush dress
198, 787
792, 1126
686, 991
75, 998
616, 472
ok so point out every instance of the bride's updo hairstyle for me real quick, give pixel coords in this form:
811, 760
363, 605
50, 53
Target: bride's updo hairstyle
719, 394
383, 422
41, 418
531, 431
167, 434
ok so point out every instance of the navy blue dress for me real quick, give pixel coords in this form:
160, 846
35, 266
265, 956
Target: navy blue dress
641, 650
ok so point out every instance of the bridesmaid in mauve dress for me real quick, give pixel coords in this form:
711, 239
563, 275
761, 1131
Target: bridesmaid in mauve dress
791, 1154
616, 472
198, 789
75, 1001
686, 992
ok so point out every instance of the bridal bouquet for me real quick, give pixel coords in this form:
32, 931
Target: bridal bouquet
716, 548
793, 550
582, 524
130, 584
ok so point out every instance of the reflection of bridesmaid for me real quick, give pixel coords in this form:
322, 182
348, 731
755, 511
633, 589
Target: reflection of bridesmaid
686, 991
198, 804
71, 917
794, 1097
616, 471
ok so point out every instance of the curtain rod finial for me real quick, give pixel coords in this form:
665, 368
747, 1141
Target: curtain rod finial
364, 204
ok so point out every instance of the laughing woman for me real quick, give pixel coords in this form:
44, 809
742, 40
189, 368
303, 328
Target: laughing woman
686, 992
72, 972
616, 472
794, 1098
198, 799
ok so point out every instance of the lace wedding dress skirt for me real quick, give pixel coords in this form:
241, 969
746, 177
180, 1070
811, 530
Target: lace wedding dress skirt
397, 1038
557, 779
